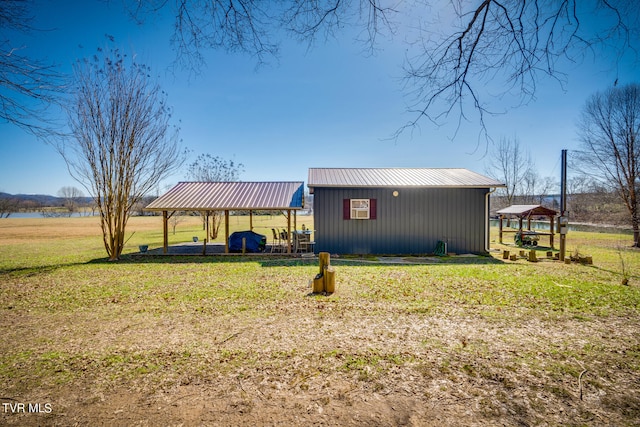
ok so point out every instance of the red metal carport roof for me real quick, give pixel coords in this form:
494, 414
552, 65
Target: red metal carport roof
211, 196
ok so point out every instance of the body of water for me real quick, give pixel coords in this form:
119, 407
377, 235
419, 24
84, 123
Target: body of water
538, 225
544, 225
39, 215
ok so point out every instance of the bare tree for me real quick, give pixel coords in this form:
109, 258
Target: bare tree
535, 188
510, 164
72, 197
590, 201
455, 47
177, 218
609, 129
27, 86
8, 205
122, 142
207, 168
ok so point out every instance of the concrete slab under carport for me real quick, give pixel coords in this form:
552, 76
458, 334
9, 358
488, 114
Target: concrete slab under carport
211, 249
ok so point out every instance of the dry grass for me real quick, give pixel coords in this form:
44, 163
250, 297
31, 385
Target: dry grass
205, 341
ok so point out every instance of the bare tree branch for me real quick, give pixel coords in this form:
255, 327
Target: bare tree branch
610, 134
207, 168
506, 45
27, 87
511, 164
122, 143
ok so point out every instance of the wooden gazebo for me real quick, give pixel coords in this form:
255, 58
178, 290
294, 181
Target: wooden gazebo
527, 212
207, 197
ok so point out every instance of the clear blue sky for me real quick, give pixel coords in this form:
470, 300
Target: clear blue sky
331, 106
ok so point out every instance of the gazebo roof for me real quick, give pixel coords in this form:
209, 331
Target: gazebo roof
527, 210
211, 196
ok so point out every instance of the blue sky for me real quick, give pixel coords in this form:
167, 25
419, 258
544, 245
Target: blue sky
331, 106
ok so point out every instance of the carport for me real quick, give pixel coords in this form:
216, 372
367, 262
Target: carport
207, 197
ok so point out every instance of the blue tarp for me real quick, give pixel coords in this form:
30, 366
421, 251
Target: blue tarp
255, 242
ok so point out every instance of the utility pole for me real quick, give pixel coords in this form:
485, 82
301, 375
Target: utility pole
563, 221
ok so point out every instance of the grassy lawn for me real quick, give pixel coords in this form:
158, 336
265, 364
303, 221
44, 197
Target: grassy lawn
231, 341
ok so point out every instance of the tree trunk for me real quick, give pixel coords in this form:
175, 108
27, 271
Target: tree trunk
216, 220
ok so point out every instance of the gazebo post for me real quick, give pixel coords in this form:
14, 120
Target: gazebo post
250, 220
165, 232
226, 231
500, 227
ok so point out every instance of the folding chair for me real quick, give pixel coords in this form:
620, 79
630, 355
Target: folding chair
277, 242
284, 237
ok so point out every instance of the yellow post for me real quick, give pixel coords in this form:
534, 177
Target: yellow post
324, 258
325, 280
318, 284
330, 280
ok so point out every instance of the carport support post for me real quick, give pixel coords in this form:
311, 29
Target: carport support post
206, 227
289, 231
165, 232
226, 232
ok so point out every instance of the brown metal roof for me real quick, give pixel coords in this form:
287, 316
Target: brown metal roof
203, 196
527, 210
399, 177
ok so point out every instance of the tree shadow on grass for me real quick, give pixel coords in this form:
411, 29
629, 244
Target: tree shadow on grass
37, 270
270, 260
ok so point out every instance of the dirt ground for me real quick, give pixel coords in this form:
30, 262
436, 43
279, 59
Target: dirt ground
338, 367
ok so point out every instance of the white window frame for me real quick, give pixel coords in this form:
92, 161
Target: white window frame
360, 208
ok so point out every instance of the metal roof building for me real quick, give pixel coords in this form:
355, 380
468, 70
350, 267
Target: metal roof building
398, 177
400, 210
229, 196
210, 196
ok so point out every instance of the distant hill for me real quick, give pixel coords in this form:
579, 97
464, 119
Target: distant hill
40, 199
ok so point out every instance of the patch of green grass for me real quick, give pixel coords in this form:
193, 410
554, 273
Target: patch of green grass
368, 364
34, 369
